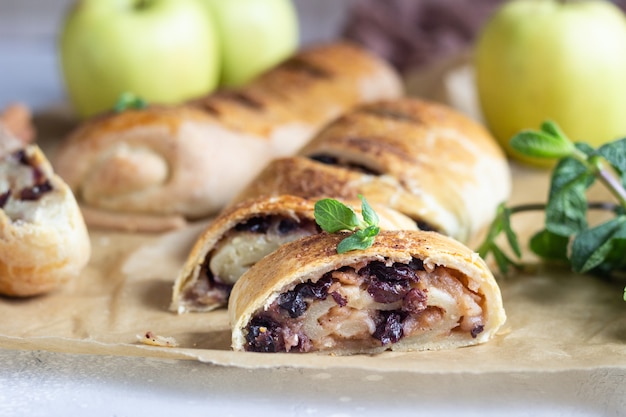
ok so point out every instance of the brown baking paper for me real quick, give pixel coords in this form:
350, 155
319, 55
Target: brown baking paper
557, 320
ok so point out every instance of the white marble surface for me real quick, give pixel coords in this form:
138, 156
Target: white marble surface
51, 384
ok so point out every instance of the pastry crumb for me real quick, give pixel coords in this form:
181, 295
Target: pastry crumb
152, 339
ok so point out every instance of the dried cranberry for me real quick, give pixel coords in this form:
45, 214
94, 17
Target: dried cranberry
4, 197
36, 191
264, 335
255, 225
294, 301
389, 327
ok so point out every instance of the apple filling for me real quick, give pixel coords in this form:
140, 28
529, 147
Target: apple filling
367, 306
238, 250
22, 182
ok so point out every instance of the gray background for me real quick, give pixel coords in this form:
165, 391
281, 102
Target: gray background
28, 30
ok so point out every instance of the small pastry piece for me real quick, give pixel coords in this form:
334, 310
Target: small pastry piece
190, 160
43, 238
411, 290
423, 159
242, 235
17, 119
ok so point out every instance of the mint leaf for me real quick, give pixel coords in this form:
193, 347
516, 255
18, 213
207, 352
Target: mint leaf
502, 260
552, 129
369, 215
508, 231
542, 145
361, 239
602, 245
333, 216
128, 101
502, 223
615, 154
549, 245
566, 210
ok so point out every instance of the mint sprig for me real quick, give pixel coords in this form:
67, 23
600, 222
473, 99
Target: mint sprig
127, 101
334, 216
567, 236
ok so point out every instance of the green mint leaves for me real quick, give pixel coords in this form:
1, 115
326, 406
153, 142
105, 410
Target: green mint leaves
334, 216
567, 236
127, 101
549, 142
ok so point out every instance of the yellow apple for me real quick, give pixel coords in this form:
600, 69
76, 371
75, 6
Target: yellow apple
165, 51
255, 35
558, 60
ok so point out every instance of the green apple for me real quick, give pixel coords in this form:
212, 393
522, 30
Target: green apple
255, 35
558, 60
165, 51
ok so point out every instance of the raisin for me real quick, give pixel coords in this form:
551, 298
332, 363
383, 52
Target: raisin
339, 299
287, 225
477, 330
415, 301
294, 301
388, 292
36, 191
4, 197
264, 335
389, 327
21, 157
426, 227
388, 284
417, 264
255, 225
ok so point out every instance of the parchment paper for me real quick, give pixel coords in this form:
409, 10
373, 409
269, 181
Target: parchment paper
557, 320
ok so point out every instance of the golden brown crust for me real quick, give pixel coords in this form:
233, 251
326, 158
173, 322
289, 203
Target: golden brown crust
178, 160
288, 206
423, 159
40, 253
310, 258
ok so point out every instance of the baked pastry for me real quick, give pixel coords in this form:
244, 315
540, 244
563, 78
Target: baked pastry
188, 161
43, 238
423, 159
411, 290
243, 234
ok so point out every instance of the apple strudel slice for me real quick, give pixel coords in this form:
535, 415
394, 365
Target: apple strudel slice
239, 237
411, 290
43, 238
